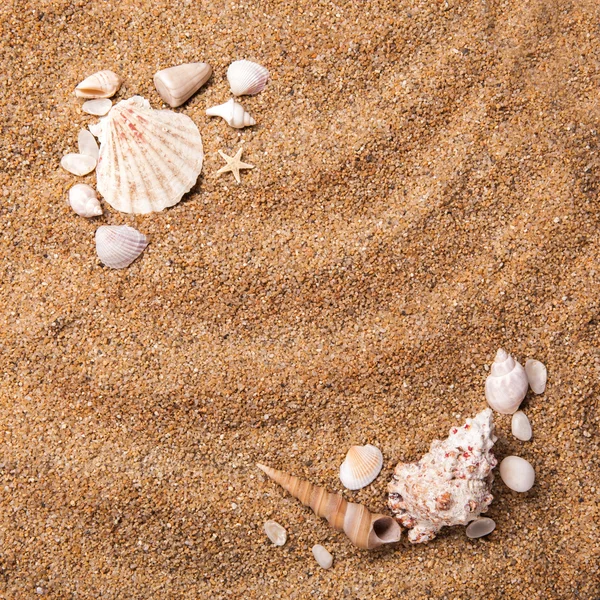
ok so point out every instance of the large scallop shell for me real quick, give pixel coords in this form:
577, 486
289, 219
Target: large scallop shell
118, 246
103, 84
246, 78
361, 467
148, 158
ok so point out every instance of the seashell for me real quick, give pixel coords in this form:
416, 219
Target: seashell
84, 201
507, 384
177, 84
364, 529
148, 158
103, 84
361, 467
87, 144
97, 107
450, 485
275, 532
536, 375
517, 473
118, 246
233, 113
520, 426
322, 556
246, 78
78, 164
480, 527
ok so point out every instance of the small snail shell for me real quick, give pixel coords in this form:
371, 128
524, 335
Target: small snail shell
233, 113
84, 201
507, 384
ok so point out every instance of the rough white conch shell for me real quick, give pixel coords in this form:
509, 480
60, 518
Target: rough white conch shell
103, 84
177, 84
148, 158
536, 375
506, 385
233, 113
246, 78
118, 246
84, 201
361, 466
450, 485
97, 107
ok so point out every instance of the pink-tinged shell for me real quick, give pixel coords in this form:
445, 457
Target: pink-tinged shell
361, 466
118, 246
246, 78
103, 84
507, 385
84, 201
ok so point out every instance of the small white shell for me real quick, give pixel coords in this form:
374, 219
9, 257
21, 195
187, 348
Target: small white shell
275, 532
233, 113
322, 556
118, 246
78, 164
517, 473
84, 201
361, 466
507, 384
177, 84
87, 144
520, 426
537, 375
246, 78
103, 84
97, 107
480, 527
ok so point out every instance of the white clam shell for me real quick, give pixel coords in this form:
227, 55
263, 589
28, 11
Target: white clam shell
246, 78
78, 164
507, 384
148, 158
517, 473
520, 426
480, 527
322, 556
98, 107
537, 375
103, 84
118, 246
232, 113
87, 144
275, 532
361, 466
84, 200
177, 84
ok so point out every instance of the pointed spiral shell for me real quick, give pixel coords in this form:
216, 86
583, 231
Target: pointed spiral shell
507, 384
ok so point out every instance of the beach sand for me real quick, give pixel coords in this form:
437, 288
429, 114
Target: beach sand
425, 191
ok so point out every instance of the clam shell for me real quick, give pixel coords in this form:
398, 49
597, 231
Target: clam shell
78, 164
87, 144
118, 246
103, 84
517, 473
480, 527
520, 426
97, 107
84, 201
148, 158
275, 532
232, 113
361, 466
246, 78
536, 375
322, 556
177, 84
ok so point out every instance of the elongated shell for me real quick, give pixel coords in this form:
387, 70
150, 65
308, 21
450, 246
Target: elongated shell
536, 375
246, 78
361, 467
103, 84
232, 113
365, 530
148, 158
118, 246
507, 384
84, 201
177, 84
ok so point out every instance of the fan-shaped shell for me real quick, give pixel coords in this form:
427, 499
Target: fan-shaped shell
84, 201
177, 84
507, 384
247, 78
118, 246
148, 158
361, 467
103, 84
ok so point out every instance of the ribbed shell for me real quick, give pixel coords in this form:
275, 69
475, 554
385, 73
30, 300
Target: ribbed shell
246, 78
177, 84
506, 385
118, 246
361, 467
148, 158
102, 84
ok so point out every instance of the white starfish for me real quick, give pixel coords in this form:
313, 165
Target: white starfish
234, 164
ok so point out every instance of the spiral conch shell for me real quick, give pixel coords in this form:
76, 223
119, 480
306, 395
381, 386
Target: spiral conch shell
232, 113
365, 530
507, 384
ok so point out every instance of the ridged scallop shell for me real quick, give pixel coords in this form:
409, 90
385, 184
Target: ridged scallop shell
233, 113
507, 384
148, 158
118, 246
84, 201
361, 466
177, 84
103, 84
246, 78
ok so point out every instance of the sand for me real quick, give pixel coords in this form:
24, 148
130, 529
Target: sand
425, 191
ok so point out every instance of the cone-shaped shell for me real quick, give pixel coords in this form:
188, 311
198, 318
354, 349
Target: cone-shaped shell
507, 384
232, 113
361, 467
103, 84
364, 529
118, 246
246, 78
177, 84
148, 158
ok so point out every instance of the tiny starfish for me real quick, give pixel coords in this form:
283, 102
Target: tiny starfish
234, 164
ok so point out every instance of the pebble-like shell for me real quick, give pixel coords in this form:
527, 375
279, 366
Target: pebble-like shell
361, 466
520, 426
87, 144
98, 107
177, 84
507, 384
148, 158
275, 532
103, 84
517, 473
84, 200
246, 78
232, 113
537, 375
118, 246
78, 164
480, 527
322, 556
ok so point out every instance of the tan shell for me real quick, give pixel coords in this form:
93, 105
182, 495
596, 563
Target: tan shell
177, 84
103, 84
361, 467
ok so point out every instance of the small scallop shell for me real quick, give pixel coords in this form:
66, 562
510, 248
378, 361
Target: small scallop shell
87, 144
507, 384
537, 375
84, 201
103, 84
517, 473
78, 164
98, 107
246, 78
480, 527
275, 532
361, 467
233, 113
177, 84
118, 246
322, 556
